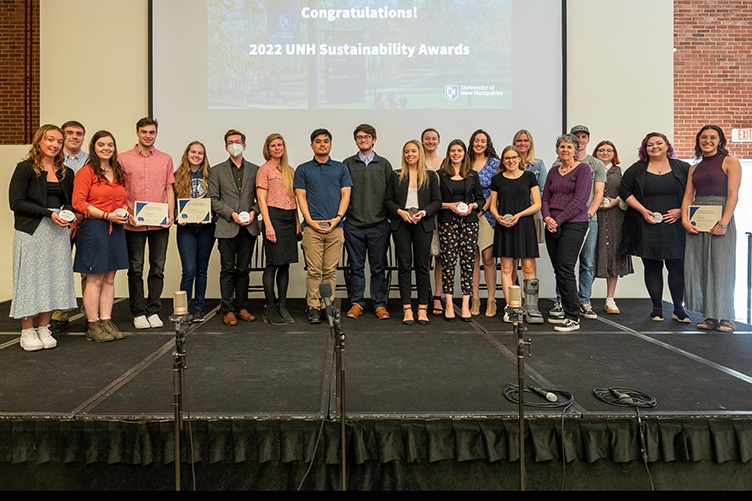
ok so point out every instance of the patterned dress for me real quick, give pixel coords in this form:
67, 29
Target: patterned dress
608, 260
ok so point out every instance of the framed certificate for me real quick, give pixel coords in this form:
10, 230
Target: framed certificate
704, 217
150, 213
194, 210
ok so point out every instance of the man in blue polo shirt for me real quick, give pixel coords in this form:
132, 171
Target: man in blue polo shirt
322, 188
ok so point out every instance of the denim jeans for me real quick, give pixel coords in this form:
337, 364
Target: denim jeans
195, 244
587, 263
137, 241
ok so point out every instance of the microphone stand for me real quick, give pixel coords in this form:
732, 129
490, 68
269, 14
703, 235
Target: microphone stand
333, 316
339, 346
519, 329
178, 365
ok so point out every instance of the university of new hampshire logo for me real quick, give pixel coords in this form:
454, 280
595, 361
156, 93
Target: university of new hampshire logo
451, 92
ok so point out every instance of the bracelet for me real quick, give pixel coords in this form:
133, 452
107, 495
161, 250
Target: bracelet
106, 215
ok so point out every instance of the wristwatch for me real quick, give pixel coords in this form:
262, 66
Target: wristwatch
722, 225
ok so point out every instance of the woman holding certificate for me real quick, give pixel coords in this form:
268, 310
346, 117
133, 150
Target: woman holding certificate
195, 239
281, 226
101, 250
653, 188
710, 253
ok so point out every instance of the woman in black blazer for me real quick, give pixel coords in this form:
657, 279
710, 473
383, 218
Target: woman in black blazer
462, 198
412, 199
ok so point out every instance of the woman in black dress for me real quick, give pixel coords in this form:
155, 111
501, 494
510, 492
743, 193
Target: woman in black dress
653, 187
515, 198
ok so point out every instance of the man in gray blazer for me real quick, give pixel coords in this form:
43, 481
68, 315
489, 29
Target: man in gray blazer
232, 189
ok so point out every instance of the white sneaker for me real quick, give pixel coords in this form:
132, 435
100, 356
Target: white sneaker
568, 325
30, 340
154, 321
45, 336
611, 307
140, 322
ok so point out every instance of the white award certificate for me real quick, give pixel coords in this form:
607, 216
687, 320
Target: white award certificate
194, 210
150, 213
704, 217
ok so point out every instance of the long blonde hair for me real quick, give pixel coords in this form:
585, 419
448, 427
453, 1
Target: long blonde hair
35, 154
183, 173
404, 173
288, 173
530, 160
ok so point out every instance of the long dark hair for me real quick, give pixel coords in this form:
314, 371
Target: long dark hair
721, 140
96, 162
490, 151
465, 167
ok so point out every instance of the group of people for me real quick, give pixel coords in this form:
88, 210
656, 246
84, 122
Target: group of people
471, 209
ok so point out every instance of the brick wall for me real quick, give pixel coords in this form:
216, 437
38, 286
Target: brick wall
712, 70
19, 70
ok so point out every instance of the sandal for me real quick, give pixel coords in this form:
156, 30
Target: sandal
437, 310
708, 324
725, 326
423, 321
405, 320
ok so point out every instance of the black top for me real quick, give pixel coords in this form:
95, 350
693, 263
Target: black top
28, 195
469, 191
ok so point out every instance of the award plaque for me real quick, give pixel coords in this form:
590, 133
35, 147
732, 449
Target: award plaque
150, 213
194, 210
704, 217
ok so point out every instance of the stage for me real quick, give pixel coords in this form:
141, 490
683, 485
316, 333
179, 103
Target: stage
430, 407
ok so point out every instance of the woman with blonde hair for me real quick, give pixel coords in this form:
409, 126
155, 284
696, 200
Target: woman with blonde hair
41, 187
281, 226
195, 240
412, 199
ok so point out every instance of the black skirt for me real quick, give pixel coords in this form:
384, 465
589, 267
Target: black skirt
99, 251
285, 249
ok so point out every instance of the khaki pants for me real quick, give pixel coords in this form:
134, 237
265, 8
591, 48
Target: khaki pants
322, 252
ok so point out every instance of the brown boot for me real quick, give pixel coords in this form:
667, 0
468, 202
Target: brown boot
96, 332
112, 329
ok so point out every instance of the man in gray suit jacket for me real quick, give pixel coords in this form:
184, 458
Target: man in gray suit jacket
232, 189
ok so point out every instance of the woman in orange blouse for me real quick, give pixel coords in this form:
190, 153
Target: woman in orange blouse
99, 194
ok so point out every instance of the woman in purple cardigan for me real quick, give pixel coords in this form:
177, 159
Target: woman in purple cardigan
564, 210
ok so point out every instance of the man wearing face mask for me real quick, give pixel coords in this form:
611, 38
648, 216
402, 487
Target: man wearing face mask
232, 189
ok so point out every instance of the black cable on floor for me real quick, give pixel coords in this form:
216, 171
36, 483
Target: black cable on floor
624, 397
552, 398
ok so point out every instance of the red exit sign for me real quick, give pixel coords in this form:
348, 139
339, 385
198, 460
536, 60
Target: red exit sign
741, 135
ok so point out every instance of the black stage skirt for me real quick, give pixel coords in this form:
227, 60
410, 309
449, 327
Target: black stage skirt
285, 249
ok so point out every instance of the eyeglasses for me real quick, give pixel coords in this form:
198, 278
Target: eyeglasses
603, 150
364, 137
511, 159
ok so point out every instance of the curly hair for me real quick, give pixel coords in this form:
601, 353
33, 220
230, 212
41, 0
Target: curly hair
642, 151
721, 143
490, 151
35, 154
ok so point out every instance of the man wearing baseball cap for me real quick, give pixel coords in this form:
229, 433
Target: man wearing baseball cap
587, 253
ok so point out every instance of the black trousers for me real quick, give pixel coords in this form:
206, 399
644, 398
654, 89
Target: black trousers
564, 252
234, 275
412, 246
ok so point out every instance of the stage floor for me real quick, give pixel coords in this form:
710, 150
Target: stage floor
441, 370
